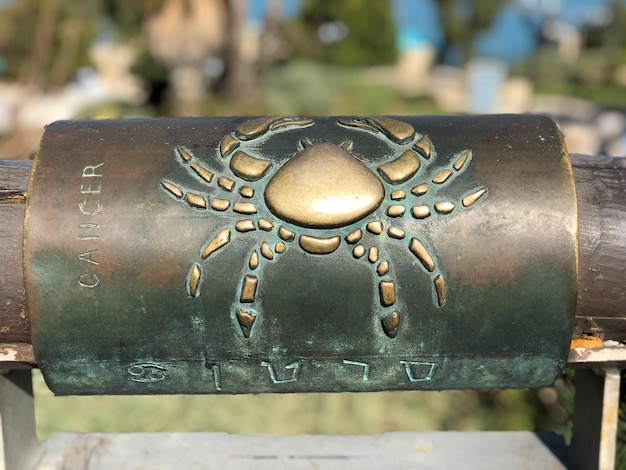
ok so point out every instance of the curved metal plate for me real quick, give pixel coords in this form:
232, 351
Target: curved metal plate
233, 255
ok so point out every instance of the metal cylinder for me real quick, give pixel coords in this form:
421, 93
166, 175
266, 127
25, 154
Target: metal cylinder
237, 255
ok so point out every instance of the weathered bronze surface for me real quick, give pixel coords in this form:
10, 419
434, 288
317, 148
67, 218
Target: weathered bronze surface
234, 255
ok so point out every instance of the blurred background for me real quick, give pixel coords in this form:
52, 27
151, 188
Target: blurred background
63, 59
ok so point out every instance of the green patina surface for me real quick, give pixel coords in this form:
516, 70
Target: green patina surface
508, 261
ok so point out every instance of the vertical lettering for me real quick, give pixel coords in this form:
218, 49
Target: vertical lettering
88, 280
91, 207
90, 227
89, 189
86, 256
82, 205
90, 171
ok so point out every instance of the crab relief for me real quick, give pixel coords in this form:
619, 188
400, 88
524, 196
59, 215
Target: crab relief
324, 198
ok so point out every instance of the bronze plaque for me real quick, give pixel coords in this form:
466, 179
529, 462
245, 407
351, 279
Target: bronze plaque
245, 255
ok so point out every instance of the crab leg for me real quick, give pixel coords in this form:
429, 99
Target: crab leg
387, 295
447, 207
444, 176
200, 202
197, 168
423, 255
386, 286
194, 277
246, 316
193, 199
249, 284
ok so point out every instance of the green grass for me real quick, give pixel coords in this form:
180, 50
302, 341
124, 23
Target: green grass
340, 413
608, 95
306, 88
589, 76
316, 89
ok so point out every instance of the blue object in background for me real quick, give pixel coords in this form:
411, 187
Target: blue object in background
257, 9
418, 23
512, 36
485, 78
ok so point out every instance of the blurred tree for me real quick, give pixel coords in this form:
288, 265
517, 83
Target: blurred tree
234, 79
175, 39
44, 42
353, 33
273, 46
463, 21
127, 18
608, 35
126, 24
182, 35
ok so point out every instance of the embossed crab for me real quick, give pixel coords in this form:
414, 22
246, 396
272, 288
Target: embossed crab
324, 188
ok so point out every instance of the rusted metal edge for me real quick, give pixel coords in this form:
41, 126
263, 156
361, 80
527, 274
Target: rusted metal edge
592, 351
597, 161
14, 325
17, 356
8, 196
591, 357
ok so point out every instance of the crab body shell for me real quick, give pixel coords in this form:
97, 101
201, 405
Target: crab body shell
323, 186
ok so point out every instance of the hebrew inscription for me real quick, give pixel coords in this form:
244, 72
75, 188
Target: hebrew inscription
294, 367
306, 372
419, 371
364, 365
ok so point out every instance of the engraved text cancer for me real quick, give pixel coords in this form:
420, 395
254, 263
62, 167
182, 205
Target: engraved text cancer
88, 236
